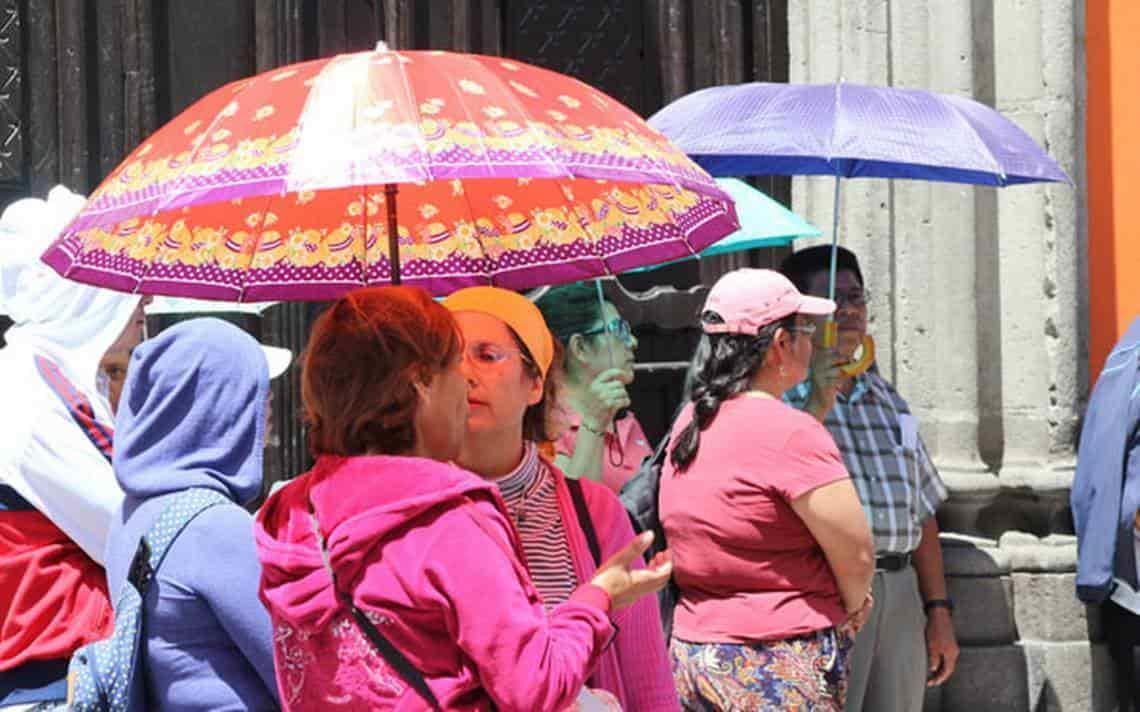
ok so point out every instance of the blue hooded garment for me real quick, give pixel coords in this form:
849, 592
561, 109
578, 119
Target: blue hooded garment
1106, 487
192, 414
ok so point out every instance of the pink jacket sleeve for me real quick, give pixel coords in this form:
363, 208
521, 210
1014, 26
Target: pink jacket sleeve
526, 659
639, 647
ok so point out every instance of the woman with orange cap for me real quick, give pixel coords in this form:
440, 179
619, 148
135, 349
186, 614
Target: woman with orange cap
566, 526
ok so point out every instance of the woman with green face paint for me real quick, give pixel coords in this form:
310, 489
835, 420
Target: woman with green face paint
602, 440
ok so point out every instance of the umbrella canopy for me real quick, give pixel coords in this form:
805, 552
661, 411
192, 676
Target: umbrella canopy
764, 222
849, 131
284, 186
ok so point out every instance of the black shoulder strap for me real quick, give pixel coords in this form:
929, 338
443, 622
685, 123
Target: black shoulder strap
584, 519
391, 654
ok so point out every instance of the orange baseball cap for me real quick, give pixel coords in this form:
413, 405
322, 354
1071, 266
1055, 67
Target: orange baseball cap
514, 310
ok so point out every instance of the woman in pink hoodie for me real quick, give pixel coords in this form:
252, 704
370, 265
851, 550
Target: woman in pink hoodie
383, 546
511, 373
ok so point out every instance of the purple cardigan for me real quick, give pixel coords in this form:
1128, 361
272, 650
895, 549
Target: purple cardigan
636, 666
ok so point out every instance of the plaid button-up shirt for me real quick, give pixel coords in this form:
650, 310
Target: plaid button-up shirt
878, 437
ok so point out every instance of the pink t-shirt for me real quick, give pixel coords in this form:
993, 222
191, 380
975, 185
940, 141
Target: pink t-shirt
623, 452
747, 566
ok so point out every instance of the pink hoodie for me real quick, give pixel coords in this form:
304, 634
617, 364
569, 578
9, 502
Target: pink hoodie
427, 551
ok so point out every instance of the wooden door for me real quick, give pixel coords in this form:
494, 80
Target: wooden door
83, 81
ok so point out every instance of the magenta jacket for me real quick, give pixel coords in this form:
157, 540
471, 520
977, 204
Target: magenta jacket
428, 552
636, 668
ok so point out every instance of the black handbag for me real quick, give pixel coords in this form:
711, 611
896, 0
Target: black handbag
640, 496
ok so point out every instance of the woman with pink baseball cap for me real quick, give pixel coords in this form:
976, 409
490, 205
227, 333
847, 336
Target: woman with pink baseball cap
772, 554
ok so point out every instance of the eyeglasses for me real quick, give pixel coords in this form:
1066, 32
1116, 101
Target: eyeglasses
485, 353
618, 327
807, 329
856, 297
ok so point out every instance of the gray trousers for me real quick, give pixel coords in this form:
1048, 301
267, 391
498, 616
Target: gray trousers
887, 668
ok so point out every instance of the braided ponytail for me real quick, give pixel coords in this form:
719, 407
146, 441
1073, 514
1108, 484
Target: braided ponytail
723, 368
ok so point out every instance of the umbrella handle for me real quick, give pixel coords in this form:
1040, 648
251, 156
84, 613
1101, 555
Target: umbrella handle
866, 353
830, 327
834, 245
866, 358
613, 363
390, 190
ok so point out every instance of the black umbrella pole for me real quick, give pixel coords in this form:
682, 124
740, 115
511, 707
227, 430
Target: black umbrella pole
393, 231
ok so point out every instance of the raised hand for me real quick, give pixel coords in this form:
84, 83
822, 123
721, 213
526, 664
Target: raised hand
605, 397
625, 585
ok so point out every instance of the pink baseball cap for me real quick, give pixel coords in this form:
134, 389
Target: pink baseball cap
750, 299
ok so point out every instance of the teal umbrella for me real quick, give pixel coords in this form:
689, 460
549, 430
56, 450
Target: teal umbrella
764, 222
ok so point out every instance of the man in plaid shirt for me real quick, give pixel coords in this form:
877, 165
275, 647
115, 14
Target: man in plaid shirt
900, 489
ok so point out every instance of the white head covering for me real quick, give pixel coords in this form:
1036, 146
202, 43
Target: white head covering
73, 324
44, 455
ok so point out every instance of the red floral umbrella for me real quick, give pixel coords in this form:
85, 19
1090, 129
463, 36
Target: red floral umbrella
303, 182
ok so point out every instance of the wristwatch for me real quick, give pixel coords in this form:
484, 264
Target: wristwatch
938, 603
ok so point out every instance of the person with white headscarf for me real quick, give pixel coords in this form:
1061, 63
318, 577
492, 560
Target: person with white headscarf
57, 488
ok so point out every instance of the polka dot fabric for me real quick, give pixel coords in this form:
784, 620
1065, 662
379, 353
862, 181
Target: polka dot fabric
105, 676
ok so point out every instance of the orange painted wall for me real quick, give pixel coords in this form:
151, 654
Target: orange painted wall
1112, 48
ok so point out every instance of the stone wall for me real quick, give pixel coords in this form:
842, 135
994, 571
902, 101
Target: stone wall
979, 307
1027, 643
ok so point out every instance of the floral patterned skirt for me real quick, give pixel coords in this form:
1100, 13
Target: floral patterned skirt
807, 673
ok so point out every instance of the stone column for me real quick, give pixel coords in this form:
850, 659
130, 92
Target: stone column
976, 289
935, 305
1043, 342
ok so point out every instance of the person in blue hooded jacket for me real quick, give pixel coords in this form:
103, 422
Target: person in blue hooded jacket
1106, 506
192, 414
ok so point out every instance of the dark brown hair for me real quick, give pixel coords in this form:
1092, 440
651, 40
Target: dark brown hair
722, 368
366, 354
801, 266
537, 425
570, 309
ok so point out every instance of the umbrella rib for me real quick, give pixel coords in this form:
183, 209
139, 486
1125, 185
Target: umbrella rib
594, 243
835, 125
475, 230
483, 150
410, 97
170, 193
989, 154
364, 234
257, 238
549, 149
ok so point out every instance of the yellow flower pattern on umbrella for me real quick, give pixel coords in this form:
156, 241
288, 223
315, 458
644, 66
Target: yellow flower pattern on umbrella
495, 163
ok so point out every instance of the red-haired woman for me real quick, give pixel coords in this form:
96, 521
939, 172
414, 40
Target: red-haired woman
394, 579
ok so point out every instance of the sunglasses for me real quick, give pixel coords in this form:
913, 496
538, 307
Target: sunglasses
856, 297
618, 327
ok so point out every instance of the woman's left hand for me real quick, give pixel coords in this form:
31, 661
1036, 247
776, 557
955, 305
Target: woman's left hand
625, 584
858, 618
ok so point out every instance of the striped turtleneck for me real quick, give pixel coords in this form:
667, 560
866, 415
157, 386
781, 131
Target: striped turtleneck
531, 498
